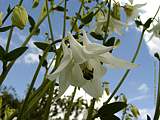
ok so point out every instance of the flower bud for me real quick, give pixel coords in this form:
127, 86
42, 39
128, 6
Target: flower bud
35, 3
116, 11
1, 17
19, 17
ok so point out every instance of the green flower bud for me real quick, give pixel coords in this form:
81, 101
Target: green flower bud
116, 11
35, 3
19, 17
135, 111
1, 16
128, 10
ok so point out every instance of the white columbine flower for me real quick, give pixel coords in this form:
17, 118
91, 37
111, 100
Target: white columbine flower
115, 25
83, 65
156, 31
132, 10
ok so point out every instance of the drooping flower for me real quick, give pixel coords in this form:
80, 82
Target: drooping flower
155, 31
115, 24
83, 65
133, 10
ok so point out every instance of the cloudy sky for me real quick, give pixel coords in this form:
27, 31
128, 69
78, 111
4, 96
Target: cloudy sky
139, 85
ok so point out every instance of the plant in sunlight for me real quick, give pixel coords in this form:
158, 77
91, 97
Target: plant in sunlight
76, 45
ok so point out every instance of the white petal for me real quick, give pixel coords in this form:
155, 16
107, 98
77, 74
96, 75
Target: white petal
85, 38
114, 62
67, 57
93, 49
137, 6
93, 88
77, 50
64, 78
77, 76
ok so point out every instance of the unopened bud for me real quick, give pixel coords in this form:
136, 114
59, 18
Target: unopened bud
19, 17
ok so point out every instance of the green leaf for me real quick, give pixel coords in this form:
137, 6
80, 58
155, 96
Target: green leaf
6, 28
9, 8
31, 20
35, 3
148, 23
14, 54
87, 18
112, 117
96, 36
110, 109
60, 9
45, 63
43, 46
2, 53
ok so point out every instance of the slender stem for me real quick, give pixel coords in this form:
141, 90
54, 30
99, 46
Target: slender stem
81, 6
9, 39
157, 111
49, 101
64, 18
20, 2
90, 110
33, 82
126, 73
69, 109
50, 25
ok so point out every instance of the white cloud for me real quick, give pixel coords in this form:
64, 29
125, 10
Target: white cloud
146, 111
31, 58
143, 88
139, 98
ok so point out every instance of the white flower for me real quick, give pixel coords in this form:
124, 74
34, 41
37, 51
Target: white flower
133, 10
115, 25
156, 31
82, 66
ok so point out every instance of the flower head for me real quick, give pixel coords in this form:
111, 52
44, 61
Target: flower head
132, 10
83, 65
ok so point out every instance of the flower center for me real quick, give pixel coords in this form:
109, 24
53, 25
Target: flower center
87, 71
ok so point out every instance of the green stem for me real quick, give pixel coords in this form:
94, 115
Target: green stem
49, 102
90, 110
81, 6
33, 81
127, 72
64, 18
157, 111
9, 39
69, 109
50, 25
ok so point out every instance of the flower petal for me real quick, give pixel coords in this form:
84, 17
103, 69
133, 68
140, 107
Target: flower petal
64, 78
77, 76
114, 62
94, 86
67, 57
92, 50
77, 50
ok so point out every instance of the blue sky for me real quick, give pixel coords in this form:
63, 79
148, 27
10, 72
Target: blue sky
138, 87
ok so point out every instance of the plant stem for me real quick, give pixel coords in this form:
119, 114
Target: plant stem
9, 39
157, 111
127, 72
64, 19
50, 25
33, 81
81, 6
69, 109
90, 110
